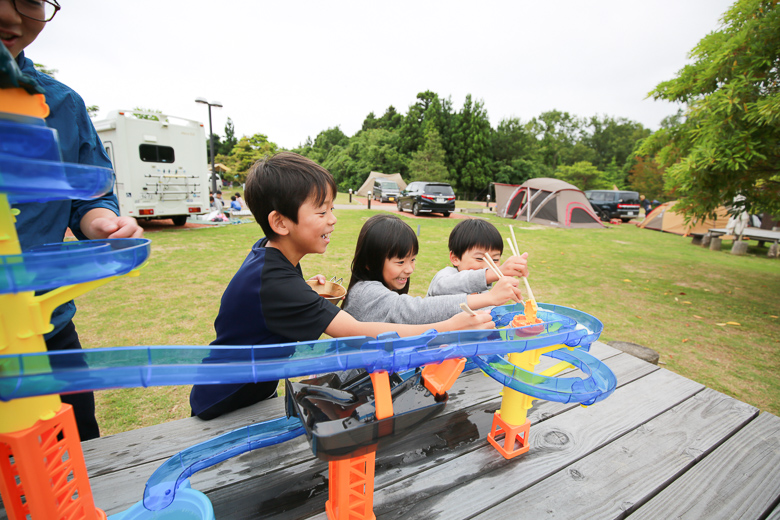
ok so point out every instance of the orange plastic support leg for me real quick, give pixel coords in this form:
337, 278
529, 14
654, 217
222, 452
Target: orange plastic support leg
42, 472
515, 437
351, 488
440, 378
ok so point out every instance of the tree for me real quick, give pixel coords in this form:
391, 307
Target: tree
93, 110
729, 142
150, 115
515, 153
230, 138
428, 163
472, 149
583, 175
558, 133
647, 178
40, 67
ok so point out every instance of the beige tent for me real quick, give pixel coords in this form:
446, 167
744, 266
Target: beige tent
664, 218
551, 202
368, 186
503, 193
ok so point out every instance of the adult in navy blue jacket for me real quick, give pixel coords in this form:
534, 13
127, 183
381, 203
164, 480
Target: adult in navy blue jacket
42, 223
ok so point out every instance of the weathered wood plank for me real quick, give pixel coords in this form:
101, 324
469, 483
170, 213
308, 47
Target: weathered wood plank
610, 482
486, 479
443, 439
741, 479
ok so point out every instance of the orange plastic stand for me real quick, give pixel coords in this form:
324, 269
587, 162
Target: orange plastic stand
515, 437
43, 475
440, 377
351, 488
383, 399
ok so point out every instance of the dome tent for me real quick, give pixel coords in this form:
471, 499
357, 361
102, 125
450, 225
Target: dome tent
664, 218
551, 202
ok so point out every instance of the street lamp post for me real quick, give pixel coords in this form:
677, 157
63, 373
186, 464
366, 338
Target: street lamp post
211, 140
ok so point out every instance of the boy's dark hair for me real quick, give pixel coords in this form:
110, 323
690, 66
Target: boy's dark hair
283, 183
383, 236
472, 233
233, 197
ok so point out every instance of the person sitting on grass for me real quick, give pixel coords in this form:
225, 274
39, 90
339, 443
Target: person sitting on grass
384, 261
470, 240
268, 301
234, 204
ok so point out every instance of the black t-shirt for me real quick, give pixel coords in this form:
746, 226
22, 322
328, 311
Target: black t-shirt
266, 303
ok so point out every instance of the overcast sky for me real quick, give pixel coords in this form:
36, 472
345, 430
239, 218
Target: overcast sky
290, 69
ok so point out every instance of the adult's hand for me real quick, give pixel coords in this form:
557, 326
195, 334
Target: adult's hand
103, 223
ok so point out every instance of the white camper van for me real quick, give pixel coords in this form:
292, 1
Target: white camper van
160, 166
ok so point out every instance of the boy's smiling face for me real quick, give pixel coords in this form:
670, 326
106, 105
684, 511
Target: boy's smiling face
473, 259
17, 31
315, 224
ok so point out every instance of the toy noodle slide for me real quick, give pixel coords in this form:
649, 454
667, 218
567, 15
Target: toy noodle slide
370, 391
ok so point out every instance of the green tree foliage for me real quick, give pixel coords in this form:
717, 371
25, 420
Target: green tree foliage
515, 153
557, 133
149, 115
612, 140
428, 163
729, 142
647, 178
230, 138
244, 154
583, 175
471, 143
93, 110
370, 150
40, 67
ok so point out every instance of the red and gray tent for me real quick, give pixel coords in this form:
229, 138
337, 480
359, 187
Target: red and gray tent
551, 202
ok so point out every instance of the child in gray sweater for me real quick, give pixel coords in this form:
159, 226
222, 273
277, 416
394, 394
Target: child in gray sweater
469, 241
384, 261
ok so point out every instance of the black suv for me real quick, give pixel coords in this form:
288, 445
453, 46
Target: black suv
609, 204
428, 197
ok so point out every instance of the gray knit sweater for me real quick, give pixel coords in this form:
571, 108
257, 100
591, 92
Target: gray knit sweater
372, 301
451, 281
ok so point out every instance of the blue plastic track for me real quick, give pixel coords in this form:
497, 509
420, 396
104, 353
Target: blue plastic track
161, 487
129, 367
56, 265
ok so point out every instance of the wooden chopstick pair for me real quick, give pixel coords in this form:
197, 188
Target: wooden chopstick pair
515, 252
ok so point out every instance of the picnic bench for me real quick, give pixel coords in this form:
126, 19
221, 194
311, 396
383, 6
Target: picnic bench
661, 446
750, 233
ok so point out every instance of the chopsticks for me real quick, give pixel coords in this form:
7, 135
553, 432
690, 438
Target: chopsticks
465, 308
516, 252
493, 265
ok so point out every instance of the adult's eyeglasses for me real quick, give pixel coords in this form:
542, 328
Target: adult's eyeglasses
39, 10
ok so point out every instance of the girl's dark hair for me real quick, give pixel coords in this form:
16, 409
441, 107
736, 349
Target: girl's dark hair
283, 183
383, 236
474, 232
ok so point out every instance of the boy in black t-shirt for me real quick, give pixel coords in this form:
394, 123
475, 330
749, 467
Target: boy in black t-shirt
268, 301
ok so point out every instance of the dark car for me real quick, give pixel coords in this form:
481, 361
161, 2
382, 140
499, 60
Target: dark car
385, 190
427, 197
609, 204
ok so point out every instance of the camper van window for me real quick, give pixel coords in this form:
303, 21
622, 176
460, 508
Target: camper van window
154, 153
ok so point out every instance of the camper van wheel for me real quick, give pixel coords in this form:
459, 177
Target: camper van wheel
179, 220
604, 215
445, 214
416, 210
400, 208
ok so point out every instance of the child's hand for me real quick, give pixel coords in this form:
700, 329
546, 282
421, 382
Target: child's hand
465, 321
505, 289
515, 266
319, 277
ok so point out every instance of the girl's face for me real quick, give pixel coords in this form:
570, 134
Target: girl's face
396, 271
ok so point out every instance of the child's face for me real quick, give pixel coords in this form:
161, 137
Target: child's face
17, 31
474, 259
315, 224
396, 271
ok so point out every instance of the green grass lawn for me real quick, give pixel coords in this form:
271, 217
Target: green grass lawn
712, 316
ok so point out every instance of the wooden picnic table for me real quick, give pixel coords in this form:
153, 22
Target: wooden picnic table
662, 446
752, 233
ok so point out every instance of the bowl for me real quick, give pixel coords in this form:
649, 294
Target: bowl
331, 291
